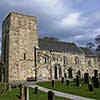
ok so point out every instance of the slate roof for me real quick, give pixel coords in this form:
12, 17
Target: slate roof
59, 46
87, 51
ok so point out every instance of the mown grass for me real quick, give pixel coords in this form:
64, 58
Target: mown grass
72, 89
11, 95
14, 93
42, 96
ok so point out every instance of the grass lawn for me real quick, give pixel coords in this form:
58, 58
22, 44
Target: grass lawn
81, 91
11, 95
40, 96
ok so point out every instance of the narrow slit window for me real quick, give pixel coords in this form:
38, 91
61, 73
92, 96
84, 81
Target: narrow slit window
24, 56
45, 60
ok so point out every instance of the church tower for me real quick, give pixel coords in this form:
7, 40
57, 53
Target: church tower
19, 37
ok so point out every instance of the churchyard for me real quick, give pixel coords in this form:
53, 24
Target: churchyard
89, 88
14, 94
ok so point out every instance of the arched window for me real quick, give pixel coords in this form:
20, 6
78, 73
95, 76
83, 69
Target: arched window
76, 60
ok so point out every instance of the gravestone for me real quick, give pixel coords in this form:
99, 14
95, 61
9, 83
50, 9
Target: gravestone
21, 92
65, 75
56, 72
77, 81
53, 83
67, 82
36, 90
86, 77
19, 97
96, 82
51, 95
79, 73
62, 80
70, 73
95, 73
90, 87
95, 79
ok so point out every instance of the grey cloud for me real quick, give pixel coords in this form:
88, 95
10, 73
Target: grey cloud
50, 16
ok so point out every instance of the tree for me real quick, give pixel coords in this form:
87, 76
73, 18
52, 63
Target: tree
90, 44
97, 39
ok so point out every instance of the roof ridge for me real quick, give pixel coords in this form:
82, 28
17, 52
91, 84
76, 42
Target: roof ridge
59, 41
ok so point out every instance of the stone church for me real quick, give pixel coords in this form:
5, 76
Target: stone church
25, 55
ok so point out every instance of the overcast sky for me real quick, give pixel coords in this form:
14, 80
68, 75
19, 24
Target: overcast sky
69, 20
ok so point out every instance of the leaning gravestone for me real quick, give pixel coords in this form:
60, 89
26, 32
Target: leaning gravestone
51, 95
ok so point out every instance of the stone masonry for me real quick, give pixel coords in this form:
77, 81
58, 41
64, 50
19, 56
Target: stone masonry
25, 55
19, 39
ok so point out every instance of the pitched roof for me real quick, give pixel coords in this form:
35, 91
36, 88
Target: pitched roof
59, 46
87, 51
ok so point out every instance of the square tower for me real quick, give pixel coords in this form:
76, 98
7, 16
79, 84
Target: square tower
19, 37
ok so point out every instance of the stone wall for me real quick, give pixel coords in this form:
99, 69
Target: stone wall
19, 37
23, 38
47, 61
